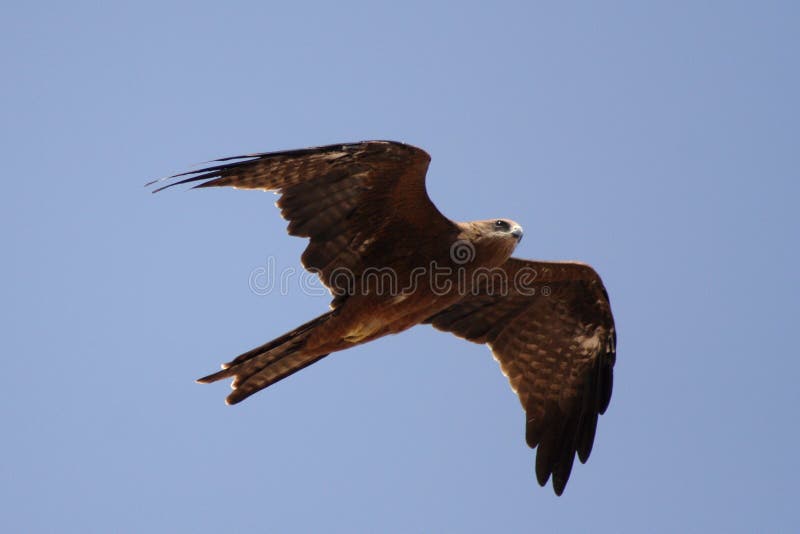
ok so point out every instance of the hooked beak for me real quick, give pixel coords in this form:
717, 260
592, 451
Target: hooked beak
517, 232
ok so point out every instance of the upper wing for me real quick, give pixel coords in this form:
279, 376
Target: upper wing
550, 327
346, 198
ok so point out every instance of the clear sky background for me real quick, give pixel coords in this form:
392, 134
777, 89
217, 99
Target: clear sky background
657, 141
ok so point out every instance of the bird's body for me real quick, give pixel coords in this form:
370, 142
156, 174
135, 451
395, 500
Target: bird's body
393, 261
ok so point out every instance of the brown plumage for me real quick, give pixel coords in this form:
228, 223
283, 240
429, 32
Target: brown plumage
392, 261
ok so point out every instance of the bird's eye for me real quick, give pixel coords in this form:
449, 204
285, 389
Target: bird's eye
501, 224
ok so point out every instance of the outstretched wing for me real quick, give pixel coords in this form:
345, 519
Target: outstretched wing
550, 327
346, 198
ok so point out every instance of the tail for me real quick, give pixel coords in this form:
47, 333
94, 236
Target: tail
263, 366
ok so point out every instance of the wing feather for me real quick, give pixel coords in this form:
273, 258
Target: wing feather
348, 199
554, 338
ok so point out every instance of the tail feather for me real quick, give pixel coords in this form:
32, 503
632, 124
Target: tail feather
263, 366
275, 372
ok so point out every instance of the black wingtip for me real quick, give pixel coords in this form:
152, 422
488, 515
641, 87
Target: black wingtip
159, 180
203, 173
154, 191
542, 472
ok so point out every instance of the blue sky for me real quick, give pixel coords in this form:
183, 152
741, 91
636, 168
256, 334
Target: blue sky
656, 141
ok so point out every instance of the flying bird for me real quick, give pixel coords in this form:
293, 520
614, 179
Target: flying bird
392, 261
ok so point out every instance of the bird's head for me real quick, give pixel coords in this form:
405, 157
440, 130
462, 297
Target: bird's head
494, 239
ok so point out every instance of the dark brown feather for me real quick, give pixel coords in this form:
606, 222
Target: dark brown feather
349, 199
554, 338
262, 366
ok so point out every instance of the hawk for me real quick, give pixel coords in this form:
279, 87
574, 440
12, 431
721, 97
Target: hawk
392, 261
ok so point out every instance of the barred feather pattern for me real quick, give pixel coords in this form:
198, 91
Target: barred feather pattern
345, 198
556, 343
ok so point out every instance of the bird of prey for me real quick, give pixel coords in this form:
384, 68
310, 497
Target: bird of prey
392, 261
